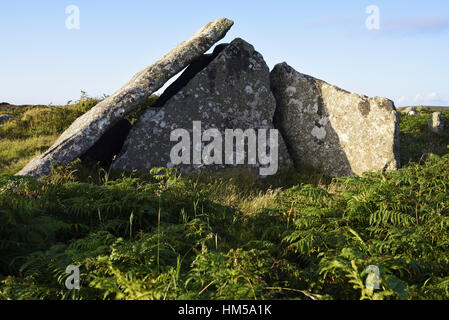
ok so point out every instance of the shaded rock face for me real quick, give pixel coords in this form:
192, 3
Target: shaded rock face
191, 71
4, 118
109, 145
232, 92
436, 123
335, 131
90, 127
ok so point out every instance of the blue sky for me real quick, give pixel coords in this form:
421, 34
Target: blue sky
43, 62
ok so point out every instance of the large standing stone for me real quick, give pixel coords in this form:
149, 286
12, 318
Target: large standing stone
335, 131
436, 123
232, 92
89, 128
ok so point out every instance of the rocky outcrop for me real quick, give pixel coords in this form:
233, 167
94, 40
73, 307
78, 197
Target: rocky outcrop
4, 118
110, 144
335, 131
231, 93
90, 127
411, 111
436, 123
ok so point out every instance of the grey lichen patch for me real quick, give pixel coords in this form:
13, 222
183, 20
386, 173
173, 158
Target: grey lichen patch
319, 133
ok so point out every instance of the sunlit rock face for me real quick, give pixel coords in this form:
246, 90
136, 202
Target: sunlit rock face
335, 131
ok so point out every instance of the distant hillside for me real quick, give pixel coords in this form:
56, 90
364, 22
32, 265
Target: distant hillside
432, 108
17, 110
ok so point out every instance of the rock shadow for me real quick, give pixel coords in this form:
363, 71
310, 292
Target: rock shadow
189, 73
303, 121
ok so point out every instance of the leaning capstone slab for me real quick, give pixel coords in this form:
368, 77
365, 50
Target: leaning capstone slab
90, 127
232, 93
436, 123
337, 132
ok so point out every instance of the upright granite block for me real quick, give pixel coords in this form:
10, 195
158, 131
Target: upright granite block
232, 92
335, 131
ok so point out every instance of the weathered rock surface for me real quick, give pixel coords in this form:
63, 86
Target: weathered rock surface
191, 71
335, 131
436, 123
4, 118
89, 128
232, 92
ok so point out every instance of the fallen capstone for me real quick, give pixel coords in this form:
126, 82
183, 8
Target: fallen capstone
89, 128
4, 118
231, 93
335, 131
436, 123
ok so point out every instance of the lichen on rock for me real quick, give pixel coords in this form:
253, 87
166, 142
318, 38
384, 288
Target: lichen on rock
333, 130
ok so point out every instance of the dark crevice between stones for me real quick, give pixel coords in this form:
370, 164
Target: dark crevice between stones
190, 72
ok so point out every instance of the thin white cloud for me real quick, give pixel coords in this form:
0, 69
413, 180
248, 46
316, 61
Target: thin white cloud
417, 25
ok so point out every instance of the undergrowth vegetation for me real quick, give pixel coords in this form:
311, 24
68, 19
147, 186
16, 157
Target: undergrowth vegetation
297, 235
34, 129
416, 138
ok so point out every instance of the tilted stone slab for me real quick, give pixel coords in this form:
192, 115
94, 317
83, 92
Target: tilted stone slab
232, 92
337, 132
89, 128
